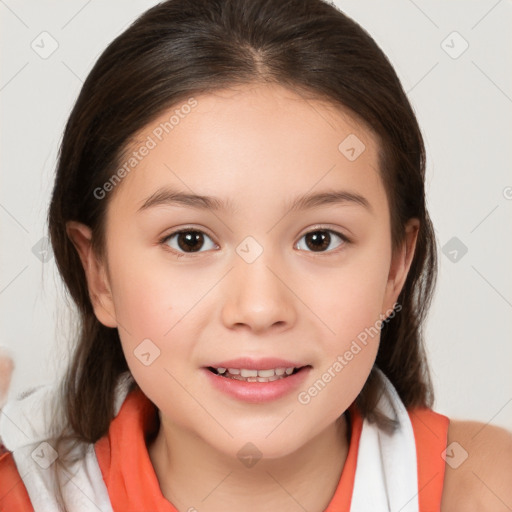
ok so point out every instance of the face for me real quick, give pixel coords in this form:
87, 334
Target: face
253, 275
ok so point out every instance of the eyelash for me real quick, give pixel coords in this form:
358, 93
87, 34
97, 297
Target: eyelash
163, 241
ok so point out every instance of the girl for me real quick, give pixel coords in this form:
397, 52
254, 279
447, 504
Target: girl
239, 215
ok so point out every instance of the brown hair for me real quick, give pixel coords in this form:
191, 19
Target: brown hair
181, 48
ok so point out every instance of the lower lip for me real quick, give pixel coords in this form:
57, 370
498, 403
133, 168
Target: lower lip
257, 392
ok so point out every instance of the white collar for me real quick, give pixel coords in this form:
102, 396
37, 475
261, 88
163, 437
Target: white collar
385, 480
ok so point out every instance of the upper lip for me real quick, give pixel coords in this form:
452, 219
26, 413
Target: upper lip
265, 363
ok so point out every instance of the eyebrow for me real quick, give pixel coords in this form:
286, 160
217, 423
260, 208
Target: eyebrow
168, 197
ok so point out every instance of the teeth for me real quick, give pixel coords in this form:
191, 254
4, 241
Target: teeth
248, 373
266, 373
255, 375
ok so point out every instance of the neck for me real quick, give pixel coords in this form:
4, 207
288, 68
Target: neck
192, 475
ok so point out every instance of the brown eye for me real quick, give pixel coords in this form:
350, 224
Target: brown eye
188, 241
322, 239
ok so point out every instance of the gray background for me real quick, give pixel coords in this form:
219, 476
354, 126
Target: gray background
463, 103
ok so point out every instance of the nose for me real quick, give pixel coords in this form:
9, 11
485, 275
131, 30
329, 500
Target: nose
257, 297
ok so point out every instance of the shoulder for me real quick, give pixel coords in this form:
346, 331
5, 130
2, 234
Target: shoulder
478, 471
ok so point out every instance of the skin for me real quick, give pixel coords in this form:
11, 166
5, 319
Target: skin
258, 146
482, 481
6, 369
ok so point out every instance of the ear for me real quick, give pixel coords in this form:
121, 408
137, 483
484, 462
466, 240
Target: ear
400, 265
95, 271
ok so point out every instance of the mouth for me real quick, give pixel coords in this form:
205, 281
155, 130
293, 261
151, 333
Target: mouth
256, 380
253, 375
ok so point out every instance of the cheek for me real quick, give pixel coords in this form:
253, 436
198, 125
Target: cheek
151, 294
151, 308
349, 297
349, 304
157, 301
349, 301
143, 302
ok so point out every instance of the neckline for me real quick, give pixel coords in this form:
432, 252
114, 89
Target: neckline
131, 479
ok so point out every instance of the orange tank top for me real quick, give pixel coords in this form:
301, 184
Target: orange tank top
133, 486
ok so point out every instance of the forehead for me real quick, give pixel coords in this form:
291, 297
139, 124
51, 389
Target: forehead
250, 139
